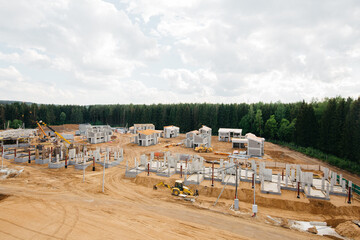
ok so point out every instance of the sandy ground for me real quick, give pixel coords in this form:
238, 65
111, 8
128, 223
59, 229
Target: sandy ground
56, 204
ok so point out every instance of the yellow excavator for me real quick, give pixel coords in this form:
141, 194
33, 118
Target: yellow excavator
178, 189
203, 149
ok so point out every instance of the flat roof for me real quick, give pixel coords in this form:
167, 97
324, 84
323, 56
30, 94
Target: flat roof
239, 140
143, 124
235, 130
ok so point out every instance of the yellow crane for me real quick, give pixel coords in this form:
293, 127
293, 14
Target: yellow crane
58, 134
178, 189
42, 130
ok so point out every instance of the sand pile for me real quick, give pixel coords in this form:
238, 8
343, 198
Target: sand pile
348, 229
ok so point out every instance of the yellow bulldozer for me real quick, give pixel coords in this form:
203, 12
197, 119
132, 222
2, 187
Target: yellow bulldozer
203, 149
178, 189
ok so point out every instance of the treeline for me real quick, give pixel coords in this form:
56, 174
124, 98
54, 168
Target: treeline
332, 125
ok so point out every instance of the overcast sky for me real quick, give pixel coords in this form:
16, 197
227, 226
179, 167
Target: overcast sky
141, 51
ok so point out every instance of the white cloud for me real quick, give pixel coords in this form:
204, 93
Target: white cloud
10, 74
200, 82
180, 51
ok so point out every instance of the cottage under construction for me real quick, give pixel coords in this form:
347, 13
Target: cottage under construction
139, 127
199, 138
98, 134
171, 131
254, 145
146, 137
226, 134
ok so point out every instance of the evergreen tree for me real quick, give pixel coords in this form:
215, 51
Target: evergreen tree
258, 123
270, 129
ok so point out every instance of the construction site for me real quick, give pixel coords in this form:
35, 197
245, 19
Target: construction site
92, 182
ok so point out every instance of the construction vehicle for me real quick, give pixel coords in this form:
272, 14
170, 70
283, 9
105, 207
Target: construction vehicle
178, 189
43, 132
203, 149
58, 134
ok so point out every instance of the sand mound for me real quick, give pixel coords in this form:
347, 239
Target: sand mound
348, 229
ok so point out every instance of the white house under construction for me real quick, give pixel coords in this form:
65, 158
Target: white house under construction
139, 127
146, 137
226, 134
98, 134
254, 145
171, 131
198, 138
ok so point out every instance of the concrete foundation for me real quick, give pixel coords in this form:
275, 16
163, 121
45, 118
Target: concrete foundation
42, 161
166, 172
55, 165
270, 188
315, 194
133, 172
194, 179
81, 166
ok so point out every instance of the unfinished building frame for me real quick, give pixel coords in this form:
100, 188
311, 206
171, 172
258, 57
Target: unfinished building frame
139, 127
146, 137
171, 131
199, 138
226, 134
98, 134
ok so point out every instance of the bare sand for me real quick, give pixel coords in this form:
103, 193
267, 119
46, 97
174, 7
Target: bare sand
44, 203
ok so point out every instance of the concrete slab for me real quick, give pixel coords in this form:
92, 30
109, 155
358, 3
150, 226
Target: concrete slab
338, 191
9, 156
315, 194
166, 173
133, 172
108, 165
208, 174
71, 162
249, 175
194, 179
42, 161
178, 167
55, 165
81, 166
270, 188
229, 179
23, 159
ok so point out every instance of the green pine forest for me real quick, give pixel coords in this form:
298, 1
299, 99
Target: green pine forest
328, 129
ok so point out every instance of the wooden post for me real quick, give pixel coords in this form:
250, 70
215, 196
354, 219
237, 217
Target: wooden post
148, 169
65, 160
29, 161
14, 152
180, 170
298, 190
349, 195
253, 180
93, 164
282, 175
212, 177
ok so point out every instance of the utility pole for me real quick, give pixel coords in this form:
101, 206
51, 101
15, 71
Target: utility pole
212, 177
103, 185
236, 201
254, 207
